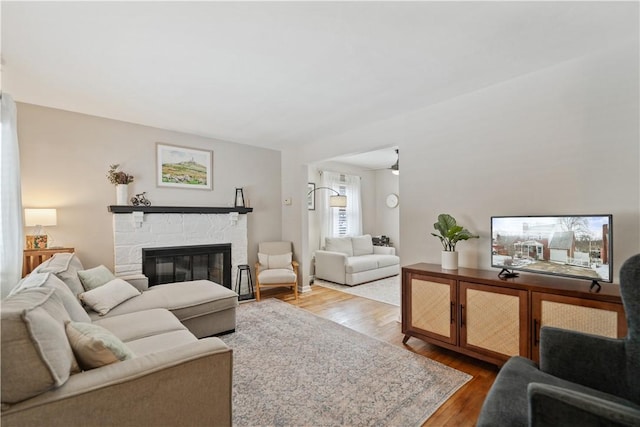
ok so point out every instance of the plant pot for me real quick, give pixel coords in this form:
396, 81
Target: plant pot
122, 194
450, 260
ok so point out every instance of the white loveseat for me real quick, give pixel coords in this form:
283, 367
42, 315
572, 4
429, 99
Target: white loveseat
355, 260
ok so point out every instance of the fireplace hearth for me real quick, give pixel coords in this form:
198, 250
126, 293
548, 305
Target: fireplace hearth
187, 263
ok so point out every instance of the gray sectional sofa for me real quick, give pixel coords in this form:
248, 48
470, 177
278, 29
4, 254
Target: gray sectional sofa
355, 260
161, 365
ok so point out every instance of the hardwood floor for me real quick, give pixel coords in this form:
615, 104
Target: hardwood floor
382, 321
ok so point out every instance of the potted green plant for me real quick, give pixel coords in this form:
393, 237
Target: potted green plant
450, 233
121, 180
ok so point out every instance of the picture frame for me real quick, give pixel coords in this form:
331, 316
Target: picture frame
311, 196
183, 167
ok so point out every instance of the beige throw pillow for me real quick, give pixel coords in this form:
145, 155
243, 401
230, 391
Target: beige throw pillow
95, 346
109, 295
95, 277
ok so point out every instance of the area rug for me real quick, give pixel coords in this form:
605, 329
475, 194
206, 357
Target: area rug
383, 290
293, 368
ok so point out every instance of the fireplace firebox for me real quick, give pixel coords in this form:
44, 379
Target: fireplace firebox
187, 263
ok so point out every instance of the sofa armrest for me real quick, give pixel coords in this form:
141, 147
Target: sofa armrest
185, 385
591, 360
139, 281
384, 250
555, 406
331, 266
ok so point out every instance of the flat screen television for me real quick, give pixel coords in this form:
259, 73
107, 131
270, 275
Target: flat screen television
577, 246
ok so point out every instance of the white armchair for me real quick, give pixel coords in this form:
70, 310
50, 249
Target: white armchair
275, 267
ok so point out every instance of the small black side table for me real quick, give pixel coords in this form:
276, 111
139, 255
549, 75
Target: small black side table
244, 268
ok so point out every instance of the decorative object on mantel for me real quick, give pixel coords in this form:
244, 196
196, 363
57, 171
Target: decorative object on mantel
450, 233
121, 180
140, 199
39, 218
239, 202
182, 167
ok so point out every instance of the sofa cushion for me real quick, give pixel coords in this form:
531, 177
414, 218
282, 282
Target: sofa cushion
95, 277
36, 355
362, 245
161, 342
339, 244
184, 299
104, 298
65, 266
387, 260
276, 275
94, 346
141, 324
356, 264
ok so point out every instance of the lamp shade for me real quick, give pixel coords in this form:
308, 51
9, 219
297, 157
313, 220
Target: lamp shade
33, 217
338, 201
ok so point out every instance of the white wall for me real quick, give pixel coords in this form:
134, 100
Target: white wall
388, 219
65, 157
562, 140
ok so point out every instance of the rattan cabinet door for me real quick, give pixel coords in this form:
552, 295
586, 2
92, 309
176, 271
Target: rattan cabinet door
432, 308
576, 314
493, 320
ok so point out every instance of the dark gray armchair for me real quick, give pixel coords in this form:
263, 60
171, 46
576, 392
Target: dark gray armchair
582, 380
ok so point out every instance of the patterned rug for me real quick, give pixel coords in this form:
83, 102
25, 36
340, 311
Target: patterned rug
383, 290
293, 368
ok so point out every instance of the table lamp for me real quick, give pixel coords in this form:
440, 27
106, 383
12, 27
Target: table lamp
39, 218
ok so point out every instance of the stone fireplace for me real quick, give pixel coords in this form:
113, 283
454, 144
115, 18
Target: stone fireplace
137, 228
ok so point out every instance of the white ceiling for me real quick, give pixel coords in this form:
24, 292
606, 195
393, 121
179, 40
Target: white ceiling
280, 74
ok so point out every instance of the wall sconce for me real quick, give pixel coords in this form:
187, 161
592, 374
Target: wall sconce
335, 201
39, 218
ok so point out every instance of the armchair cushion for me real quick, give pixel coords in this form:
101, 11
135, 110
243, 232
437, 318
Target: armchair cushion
507, 403
554, 406
275, 261
277, 275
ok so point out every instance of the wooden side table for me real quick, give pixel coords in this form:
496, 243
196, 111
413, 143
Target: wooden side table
35, 257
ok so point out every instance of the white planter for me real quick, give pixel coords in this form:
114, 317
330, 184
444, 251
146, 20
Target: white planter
449, 260
122, 194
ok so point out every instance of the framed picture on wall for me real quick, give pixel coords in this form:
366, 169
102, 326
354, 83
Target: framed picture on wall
182, 167
311, 196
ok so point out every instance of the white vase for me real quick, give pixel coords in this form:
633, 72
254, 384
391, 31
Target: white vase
122, 194
450, 260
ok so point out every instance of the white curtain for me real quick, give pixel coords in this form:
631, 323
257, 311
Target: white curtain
11, 231
348, 185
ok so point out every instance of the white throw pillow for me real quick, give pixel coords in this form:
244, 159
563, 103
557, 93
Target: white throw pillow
362, 245
109, 295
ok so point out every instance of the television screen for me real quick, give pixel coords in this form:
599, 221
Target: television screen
577, 246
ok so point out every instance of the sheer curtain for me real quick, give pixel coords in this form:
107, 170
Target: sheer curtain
334, 221
10, 199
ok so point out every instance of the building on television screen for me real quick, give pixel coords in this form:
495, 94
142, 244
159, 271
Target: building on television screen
575, 246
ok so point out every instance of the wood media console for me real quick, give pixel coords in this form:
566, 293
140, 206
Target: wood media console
478, 314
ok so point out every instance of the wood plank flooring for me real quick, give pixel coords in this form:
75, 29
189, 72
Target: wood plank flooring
382, 321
